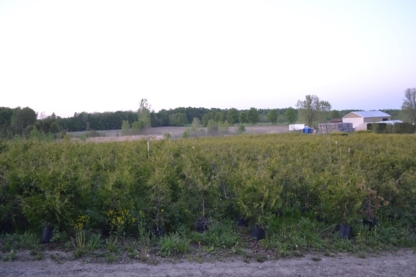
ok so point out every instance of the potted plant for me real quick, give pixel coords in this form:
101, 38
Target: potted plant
47, 211
341, 199
371, 204
199, 186
159, 190
257, 196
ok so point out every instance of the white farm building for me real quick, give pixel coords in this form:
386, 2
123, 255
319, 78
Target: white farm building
360, 119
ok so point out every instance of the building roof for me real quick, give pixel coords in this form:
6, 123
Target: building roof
370, 114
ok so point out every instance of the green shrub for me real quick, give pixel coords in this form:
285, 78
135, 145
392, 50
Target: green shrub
180, 181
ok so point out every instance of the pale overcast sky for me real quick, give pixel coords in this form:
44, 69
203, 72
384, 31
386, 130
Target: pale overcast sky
95, 56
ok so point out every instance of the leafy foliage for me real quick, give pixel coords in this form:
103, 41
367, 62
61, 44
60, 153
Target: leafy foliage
409, 104
338, 177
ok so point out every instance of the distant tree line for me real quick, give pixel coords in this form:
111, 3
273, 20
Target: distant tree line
21, 122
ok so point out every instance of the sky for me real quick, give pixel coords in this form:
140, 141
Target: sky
96, 56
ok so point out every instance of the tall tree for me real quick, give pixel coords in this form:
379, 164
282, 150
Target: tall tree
243, 117
272, 116
409, 104
311, 108
6, 115
196, 128
232, 116
334, 114
325, 109
291, 115
144, 113
212, 127
22, 118
253, 116
125, 128
178, 119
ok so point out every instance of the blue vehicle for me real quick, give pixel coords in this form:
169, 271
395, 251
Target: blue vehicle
307, 130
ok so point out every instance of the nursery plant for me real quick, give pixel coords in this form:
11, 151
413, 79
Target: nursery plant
199, 188
340, 197
159, 188
258, 195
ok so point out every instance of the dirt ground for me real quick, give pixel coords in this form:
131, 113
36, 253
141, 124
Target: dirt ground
176, 133
399, 263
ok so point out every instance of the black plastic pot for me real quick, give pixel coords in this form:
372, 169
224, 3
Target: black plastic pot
6, 226
47, 234
242, 222
257, 233
105, 231
156, 232
305, 209
201, 225
319, 218
370, 223
345, 231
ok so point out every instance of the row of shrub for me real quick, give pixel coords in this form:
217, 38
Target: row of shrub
397, 128
170, 185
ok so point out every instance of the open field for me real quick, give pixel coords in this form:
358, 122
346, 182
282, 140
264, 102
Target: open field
176, 132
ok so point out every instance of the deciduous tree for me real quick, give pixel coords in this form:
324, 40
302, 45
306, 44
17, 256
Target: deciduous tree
243, 117
144, 113
253, 116
22, 118
409, 104
291, 115
212, 127
334, 114
232, 116
272, 116
125, 128
312, 108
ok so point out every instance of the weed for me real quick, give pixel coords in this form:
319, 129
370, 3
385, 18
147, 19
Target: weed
247, 257
94, 242
261, 258
297, 253
183, 245
131, 245
79, 243
144, 241
28, 241
361, 255
59, 236
7, 245
328, 254
110, 257
37, 254
218, 235
57, 258
173, 244
112, 244
11, 256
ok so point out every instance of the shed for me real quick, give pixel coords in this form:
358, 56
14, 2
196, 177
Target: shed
360, 119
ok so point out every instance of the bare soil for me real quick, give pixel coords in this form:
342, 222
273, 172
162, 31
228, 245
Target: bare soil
176, 133
398, 263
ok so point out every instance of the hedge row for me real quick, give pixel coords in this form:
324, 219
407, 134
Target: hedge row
73, 185
398, 128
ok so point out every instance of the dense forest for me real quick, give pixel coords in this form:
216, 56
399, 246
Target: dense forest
23, 122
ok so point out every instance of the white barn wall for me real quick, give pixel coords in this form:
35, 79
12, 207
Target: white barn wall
355, 121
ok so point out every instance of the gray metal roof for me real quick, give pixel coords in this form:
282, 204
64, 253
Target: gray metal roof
371, 114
